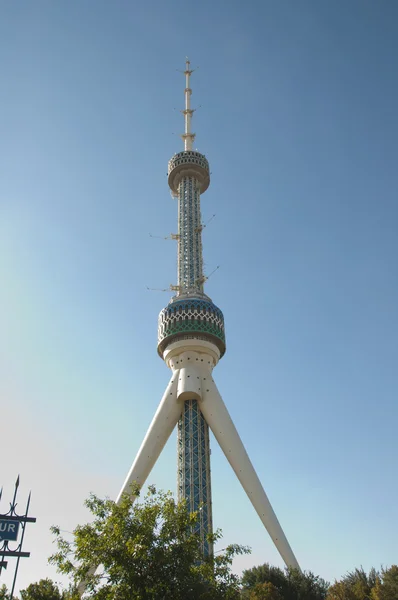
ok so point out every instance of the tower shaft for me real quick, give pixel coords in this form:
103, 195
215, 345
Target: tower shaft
190, 256
193, 475
193, 446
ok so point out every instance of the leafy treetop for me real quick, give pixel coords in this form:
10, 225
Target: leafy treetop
148, 550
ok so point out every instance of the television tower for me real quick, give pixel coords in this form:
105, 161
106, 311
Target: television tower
191, 341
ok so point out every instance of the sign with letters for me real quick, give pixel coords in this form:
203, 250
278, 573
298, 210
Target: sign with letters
9, 530
12, 529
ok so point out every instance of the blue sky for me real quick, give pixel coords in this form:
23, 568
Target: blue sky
298, 118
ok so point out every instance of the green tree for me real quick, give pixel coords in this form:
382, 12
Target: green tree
265, 591
390, 583
291, 584
264, 574
356, 585
45, 589
386, 587
147, 551
3, 592
340, 590
305, 585
377, 591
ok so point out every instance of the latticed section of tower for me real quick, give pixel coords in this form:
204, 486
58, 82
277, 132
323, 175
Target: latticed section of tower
191, 318
190, 267
193, 476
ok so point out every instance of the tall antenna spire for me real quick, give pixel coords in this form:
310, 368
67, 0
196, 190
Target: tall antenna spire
188, 137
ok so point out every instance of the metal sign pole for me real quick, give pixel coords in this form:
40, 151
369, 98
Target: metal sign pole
10, 524
3, 563
19, 557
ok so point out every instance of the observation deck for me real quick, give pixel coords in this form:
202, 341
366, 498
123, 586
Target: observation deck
191, 318
188, 163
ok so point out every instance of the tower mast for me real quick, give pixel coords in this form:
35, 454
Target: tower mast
188, 137
191, 341
193, 442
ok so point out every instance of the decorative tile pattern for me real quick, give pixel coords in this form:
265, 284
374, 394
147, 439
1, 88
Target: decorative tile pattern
190, 261
191, 315
194, 468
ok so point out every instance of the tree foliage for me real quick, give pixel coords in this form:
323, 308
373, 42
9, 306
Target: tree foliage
266, 581
45, 589
359, 585
388, 587
147, 551
290, 584
264, 574
4, 595
265, 591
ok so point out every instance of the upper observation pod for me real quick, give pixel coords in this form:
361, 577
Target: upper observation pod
188, 163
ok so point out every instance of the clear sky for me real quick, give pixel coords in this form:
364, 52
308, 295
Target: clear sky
298, 118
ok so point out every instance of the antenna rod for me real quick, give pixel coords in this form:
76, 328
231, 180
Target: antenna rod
188, 137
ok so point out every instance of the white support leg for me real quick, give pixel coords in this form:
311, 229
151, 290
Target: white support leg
163, 423
220, 422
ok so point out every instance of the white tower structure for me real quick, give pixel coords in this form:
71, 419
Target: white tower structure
191, 341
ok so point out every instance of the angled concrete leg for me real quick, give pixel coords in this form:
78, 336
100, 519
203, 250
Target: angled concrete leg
163, 423
219, 421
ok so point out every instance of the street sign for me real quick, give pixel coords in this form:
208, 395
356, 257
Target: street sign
9, 530
12, 529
